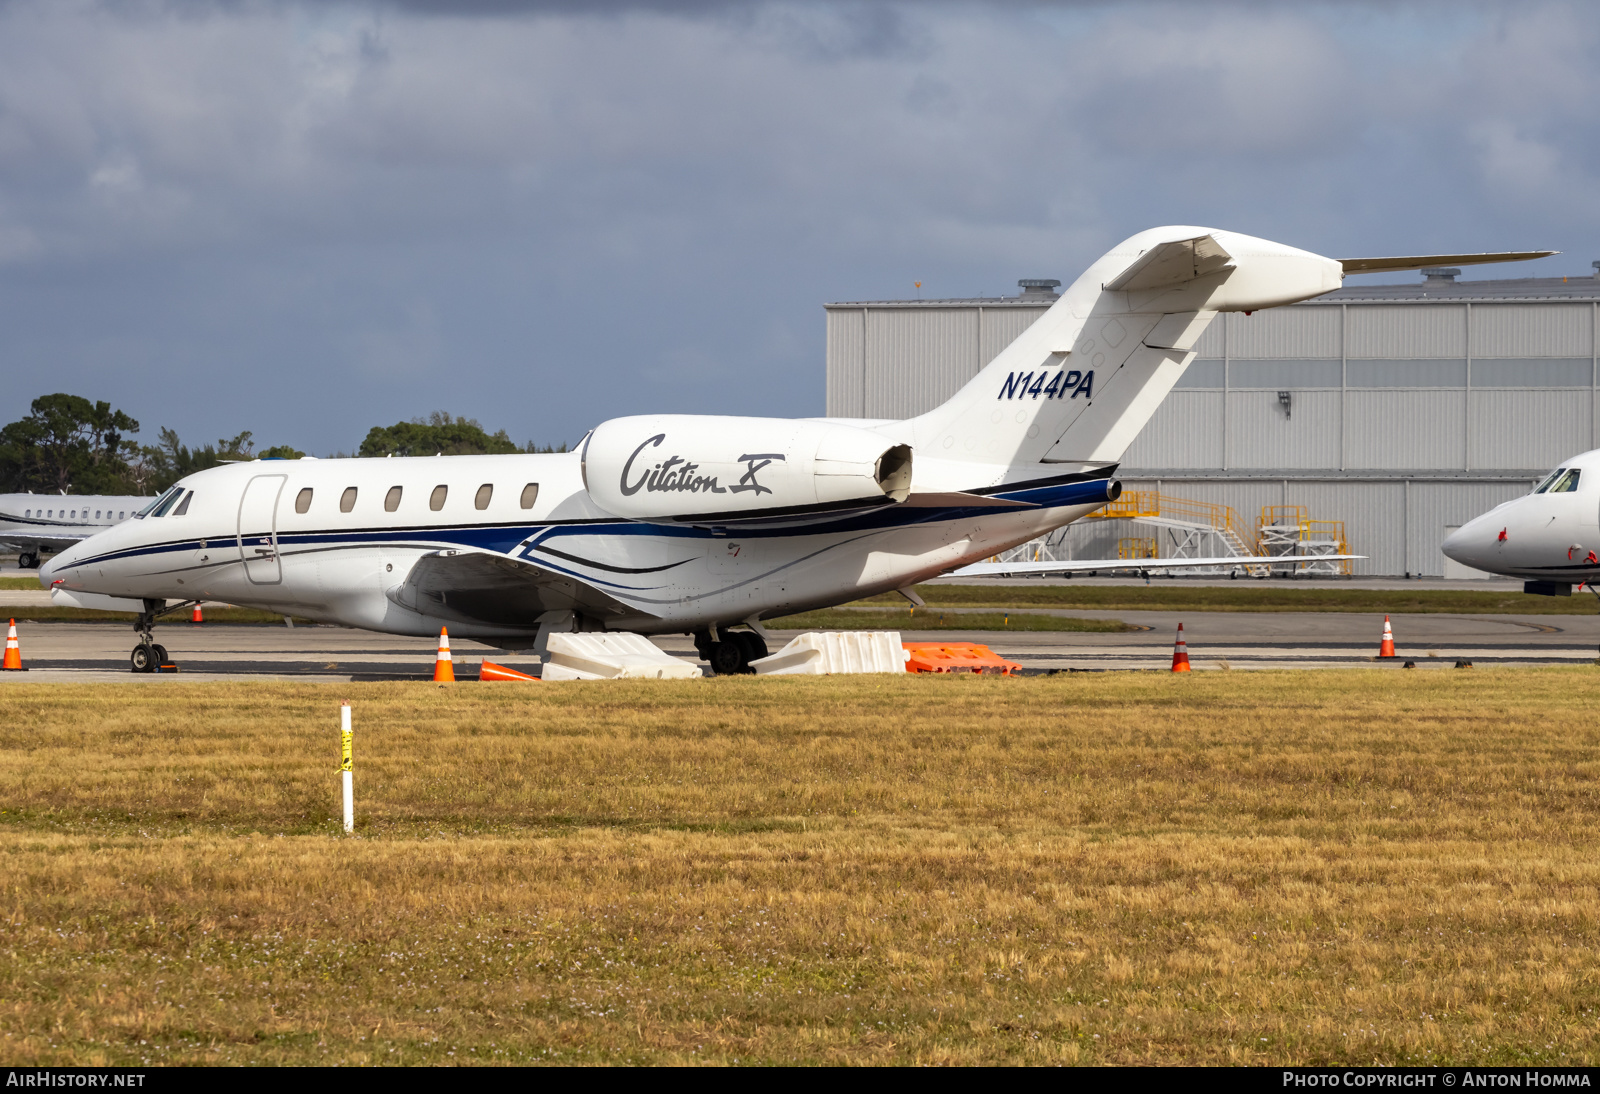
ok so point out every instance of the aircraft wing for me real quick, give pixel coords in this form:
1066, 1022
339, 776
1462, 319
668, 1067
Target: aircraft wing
1168, 264
1093, 565
1418, 262
483, 587
56, 541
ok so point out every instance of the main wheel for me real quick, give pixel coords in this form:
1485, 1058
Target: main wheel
755, 648
28, 561
727, 658
143, 658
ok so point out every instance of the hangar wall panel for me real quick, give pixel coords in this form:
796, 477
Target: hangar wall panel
1001, 326
1211, 342
1185, 431
1391, 430
1532, 330
1259, 435
1284, 332
847, 363
918, 358
1528, 429
1373, 515
1408, 330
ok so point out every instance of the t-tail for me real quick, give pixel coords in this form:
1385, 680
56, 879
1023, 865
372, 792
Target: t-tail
1078, 385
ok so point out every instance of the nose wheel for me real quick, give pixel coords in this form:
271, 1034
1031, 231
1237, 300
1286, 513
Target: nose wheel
149, 655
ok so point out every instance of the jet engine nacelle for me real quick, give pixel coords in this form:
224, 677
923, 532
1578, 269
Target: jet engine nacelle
695, 468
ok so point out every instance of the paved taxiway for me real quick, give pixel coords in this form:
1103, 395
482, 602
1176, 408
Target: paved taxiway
1237, 640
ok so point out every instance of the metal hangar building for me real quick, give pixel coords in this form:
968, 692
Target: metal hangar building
1377, 416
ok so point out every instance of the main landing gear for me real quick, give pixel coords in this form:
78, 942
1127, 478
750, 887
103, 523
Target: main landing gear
730, 652
28, 560
148, 655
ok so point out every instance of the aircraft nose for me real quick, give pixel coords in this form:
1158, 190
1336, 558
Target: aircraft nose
1469, 544
51, 570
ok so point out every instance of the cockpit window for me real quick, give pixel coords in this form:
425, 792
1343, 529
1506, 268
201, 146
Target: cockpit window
1550, 478
1567, 483
166, 498
183, 506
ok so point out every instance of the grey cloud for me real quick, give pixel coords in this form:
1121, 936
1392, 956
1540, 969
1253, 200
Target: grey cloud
543, 216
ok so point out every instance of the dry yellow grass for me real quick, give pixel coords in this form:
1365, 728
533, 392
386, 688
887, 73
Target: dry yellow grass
1266, 867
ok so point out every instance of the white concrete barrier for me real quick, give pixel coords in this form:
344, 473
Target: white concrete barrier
821, 652
612, 656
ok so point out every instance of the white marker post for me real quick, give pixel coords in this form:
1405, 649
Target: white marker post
349, 782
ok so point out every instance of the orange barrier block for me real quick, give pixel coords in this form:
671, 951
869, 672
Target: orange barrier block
491, 671
444, 670
957, 657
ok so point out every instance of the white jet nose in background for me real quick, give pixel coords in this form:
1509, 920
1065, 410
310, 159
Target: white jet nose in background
1473, 543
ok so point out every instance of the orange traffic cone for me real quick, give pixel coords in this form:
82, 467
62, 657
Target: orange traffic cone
491, 671
1386, 647
13, 651
197, 617
1180, 653
443, 671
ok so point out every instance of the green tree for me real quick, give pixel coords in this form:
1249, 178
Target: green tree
68, 443
281, 452
163, 464
438, 434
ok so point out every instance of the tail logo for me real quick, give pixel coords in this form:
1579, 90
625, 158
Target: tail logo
1063, 385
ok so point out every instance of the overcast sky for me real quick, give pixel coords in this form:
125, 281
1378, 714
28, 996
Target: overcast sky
307, 219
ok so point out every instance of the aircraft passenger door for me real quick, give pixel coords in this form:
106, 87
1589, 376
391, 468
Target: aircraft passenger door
258, 529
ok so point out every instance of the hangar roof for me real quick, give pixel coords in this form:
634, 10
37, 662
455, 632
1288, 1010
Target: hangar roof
1433, 289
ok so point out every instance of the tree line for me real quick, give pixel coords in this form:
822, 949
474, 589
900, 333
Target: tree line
68, 443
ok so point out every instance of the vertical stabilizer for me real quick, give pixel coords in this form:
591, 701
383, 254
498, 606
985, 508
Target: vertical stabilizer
1079, 385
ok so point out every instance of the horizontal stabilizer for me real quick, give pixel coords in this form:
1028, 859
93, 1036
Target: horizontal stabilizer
1105, 565
1419, 262
1168, 264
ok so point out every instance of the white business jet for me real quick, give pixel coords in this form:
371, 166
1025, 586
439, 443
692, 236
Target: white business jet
1550, 537
697, 524
34, 522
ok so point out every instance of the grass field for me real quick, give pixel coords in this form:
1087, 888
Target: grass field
1331, 867
933, 620
1247, 596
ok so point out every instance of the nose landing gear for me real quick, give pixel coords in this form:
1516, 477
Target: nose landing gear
148, 655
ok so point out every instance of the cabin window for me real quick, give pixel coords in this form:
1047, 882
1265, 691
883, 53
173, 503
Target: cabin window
481, 499
183, 506
391, 500
530, 494
27, 512
122, 514
302, 501
1567, 483
97, 514
74, 515
436, 499
347, 500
